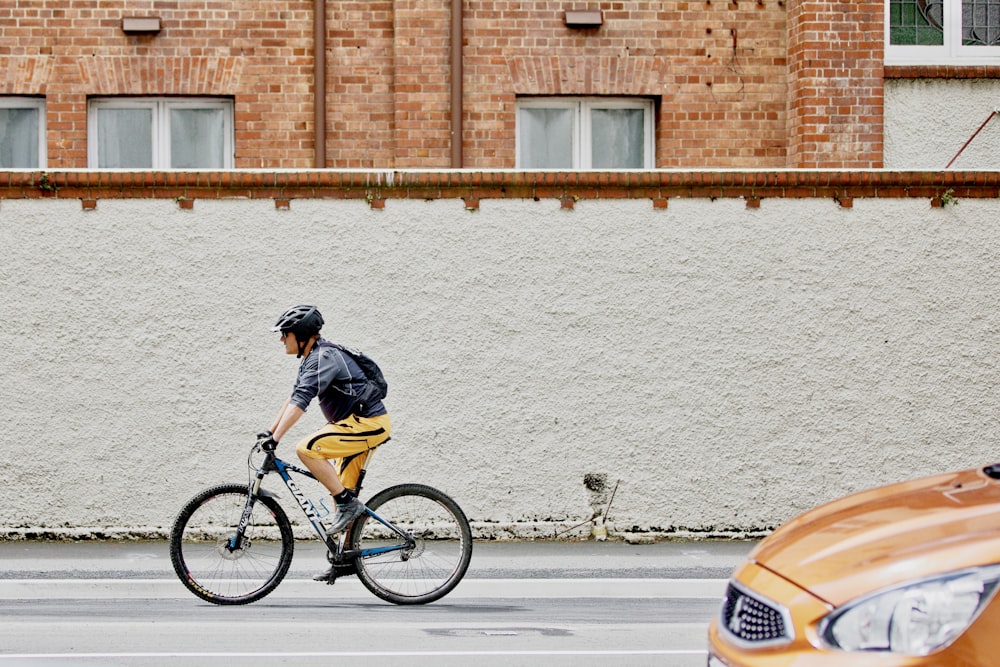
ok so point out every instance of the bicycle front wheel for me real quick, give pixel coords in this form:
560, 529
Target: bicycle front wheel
429, 564
208, 562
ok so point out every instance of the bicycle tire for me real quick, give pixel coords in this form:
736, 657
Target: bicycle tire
439, 557
213, 572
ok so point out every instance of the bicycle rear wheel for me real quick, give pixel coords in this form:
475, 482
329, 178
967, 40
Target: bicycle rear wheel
201, 552
434, 561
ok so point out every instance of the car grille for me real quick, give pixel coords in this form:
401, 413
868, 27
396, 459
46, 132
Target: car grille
754, 620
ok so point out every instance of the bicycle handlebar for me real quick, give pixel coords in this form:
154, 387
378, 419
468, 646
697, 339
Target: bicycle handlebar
266, 442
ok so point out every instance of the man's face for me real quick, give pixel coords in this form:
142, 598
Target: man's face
291, 345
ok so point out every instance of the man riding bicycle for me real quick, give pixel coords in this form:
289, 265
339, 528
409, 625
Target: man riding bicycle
353, 425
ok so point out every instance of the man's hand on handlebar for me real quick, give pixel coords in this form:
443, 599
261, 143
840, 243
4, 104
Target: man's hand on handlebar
266, 441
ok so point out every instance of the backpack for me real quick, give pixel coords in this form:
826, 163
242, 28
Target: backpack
376, 387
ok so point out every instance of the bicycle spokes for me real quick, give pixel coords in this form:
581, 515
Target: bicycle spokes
419, 551
229, 550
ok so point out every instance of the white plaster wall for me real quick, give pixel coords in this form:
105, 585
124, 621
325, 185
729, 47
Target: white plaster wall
928, 121
730, 366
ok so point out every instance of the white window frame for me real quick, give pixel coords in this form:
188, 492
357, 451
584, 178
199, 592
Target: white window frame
582, 106
17, 102
160, 107
952, 52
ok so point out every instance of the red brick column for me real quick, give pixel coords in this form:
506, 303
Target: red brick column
66, 121
359, 74
835, 84
422, 84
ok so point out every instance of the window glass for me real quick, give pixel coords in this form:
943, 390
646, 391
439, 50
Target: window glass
916, 22
160, 133
981, 22
943, 31
19, 136
197, 138
584, 133
546, 139
125, 138
617, 138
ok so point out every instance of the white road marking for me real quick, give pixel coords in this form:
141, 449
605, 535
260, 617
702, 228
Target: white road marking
347, 654
306, 588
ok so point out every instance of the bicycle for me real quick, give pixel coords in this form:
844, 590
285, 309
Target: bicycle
233, 543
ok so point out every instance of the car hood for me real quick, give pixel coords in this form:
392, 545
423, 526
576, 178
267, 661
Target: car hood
889, 535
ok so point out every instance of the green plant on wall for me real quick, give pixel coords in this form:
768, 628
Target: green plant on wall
45, 183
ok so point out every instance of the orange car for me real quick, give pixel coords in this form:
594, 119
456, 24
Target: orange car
900, 575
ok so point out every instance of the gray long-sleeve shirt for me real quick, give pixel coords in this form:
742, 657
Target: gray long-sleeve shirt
331, 375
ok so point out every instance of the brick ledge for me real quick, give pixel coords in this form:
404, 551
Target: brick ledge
377, 186
942, 72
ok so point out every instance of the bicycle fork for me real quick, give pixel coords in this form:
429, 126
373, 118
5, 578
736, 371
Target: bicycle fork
254, 491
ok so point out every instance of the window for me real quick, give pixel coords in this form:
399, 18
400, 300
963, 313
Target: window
942, 31
158, 133
22, 133
584, 133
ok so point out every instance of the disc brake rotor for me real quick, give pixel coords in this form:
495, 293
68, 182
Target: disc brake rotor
415, 551
232, 554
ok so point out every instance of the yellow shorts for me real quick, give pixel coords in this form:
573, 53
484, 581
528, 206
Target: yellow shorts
345, 439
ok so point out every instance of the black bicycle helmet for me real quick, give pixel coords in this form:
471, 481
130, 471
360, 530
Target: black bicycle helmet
303, 321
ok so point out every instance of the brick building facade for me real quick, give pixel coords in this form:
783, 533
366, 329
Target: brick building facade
764, 84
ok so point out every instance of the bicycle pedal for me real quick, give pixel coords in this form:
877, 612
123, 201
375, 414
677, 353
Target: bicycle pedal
329, 577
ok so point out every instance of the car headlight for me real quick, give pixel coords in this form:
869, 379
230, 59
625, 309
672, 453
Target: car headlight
915, 618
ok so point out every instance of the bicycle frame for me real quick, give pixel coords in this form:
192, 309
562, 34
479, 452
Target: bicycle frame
272, 463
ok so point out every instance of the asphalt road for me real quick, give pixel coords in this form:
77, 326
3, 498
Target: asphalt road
521, 604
